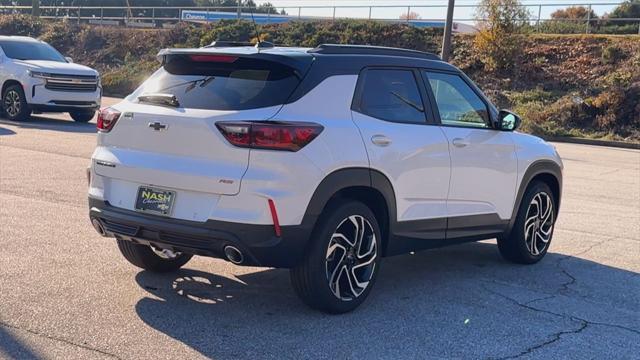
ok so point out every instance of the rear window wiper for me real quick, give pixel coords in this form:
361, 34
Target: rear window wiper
159, 99
192, 83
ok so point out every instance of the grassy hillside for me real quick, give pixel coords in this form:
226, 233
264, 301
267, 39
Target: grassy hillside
575, 85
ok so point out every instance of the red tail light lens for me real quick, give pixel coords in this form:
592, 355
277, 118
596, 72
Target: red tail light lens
286, 136
107, 118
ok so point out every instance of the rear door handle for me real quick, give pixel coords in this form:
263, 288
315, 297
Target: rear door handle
460, 142
380, 140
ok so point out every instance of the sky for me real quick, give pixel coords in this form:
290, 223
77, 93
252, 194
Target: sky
436, 8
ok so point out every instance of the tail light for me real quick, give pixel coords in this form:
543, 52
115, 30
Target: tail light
107, 118
286, 136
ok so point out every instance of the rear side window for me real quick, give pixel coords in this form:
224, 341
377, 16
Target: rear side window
392, 95
222, 82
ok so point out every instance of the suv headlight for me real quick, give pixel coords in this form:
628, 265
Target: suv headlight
37, 74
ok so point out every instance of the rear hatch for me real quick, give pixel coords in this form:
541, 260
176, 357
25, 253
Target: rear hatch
166, 134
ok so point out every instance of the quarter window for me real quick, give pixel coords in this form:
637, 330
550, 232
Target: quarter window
458, 104
391, 95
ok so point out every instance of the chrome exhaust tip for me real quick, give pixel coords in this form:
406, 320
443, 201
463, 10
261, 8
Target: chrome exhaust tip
98, 226
233, 254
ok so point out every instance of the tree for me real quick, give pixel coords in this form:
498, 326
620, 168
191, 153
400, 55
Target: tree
498, 40
574, 13
628, 9
410, 16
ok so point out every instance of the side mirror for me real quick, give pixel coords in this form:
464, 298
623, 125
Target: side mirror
508, 121
69, 60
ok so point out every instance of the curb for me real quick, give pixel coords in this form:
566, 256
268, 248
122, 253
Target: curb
583, 141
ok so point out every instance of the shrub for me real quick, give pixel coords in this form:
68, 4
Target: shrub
23, 25
498, 41
612, 54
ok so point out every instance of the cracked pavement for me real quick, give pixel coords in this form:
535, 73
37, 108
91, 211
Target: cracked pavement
67, 293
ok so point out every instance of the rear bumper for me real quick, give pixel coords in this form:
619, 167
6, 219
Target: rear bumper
258, 243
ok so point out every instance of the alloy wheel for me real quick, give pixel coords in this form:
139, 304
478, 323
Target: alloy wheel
12, 103
350, 259
538, 225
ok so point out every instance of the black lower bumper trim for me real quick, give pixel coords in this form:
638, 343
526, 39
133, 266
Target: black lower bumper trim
258, 243
63, 108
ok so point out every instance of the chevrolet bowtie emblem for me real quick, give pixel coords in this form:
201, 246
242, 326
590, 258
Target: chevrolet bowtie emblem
158, 126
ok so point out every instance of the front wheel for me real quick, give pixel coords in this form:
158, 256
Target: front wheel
531, 235
82, 116
151, 258
15, 104
343, 259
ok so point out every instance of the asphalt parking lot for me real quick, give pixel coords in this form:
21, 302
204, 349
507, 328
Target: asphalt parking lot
67, 293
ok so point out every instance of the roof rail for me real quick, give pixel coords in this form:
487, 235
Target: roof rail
371, 50
225, 43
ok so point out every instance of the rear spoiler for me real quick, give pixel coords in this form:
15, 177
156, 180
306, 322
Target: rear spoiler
297, 60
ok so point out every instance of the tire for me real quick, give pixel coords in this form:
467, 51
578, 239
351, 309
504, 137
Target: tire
357, 262
532, 232
82, 116
145, 257
14, 104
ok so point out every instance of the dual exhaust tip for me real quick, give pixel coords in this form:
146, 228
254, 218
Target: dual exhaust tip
232, 253
98, 226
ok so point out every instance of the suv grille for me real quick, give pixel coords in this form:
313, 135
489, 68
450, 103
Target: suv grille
60, 82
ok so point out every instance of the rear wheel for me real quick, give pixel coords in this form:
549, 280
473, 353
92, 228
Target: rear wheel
15, 104
532, 232
342, 262
82, 116
152, 258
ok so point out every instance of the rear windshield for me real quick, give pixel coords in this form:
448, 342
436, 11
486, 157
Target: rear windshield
30, 50
221, 82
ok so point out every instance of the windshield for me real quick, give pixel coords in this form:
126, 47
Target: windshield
215, 82
30, 50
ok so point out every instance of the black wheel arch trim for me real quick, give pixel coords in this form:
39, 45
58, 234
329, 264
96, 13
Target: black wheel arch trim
539, 167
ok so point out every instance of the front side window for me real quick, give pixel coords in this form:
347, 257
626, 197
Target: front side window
391, 95
458, 104
30, 50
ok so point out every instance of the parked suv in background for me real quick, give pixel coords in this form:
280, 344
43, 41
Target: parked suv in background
319, 160
35, 77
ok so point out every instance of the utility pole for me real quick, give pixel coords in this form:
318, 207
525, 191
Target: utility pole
35, 8
446, 39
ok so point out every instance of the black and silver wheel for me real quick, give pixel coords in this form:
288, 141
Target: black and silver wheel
14, 104
152, 258
343, 260
530, 238
82, 116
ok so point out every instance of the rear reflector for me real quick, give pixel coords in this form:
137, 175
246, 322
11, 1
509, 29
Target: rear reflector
213, 58
107, 118
274, 217
286, 136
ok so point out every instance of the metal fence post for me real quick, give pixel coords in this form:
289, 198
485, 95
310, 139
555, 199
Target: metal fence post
299, 11
334, 13
589, 19
370, 12
408, 12
539, 15
79, 14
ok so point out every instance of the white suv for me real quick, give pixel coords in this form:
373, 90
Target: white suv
35, 77
319, 160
